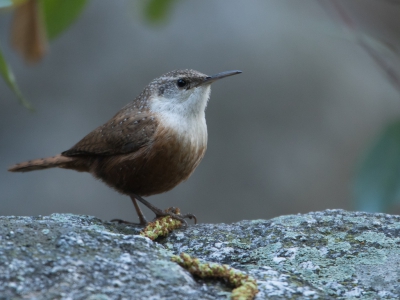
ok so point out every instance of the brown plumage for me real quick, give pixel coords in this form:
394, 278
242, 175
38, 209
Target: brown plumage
150, 145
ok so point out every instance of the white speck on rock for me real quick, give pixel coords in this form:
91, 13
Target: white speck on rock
179, 235
125, 258
309, 265
218, 245
278, 259
323, 251
292, 252
356, 292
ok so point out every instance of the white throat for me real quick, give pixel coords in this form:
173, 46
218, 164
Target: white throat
185, 115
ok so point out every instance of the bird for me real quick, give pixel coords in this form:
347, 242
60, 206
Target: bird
149, 146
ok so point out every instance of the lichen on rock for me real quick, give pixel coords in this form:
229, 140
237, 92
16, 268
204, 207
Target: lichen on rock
245, 286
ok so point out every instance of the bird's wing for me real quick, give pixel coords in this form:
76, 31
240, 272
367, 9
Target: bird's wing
122, 134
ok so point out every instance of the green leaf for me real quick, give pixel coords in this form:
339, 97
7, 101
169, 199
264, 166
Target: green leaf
377, 184
59, 14
8, 77
5, 3
158, 10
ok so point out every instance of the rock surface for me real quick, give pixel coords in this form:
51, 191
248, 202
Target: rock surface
321, 255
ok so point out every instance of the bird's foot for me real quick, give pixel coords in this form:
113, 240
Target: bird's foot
175, 213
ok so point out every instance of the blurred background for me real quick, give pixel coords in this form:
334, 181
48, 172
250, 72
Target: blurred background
285, 137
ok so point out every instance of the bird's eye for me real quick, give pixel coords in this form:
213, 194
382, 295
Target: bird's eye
181, 83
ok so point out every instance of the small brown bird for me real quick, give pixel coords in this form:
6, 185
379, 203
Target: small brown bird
150, 146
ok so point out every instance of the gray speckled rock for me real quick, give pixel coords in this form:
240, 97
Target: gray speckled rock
322, 255
80, 257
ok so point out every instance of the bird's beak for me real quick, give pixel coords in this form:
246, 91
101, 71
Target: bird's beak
211, 79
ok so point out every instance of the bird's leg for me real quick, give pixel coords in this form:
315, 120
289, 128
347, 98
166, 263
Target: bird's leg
172, 212
139, 212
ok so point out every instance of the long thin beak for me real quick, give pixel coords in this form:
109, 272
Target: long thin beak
211, 79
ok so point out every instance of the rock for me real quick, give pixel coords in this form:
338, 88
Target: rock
321, 255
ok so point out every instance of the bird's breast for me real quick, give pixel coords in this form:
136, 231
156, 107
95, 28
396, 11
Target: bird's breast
174, 154
178, 149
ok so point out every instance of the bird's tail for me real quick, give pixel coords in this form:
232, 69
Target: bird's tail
41, 164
